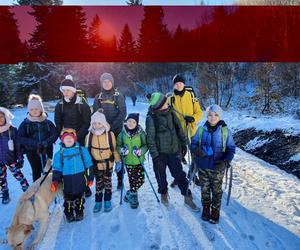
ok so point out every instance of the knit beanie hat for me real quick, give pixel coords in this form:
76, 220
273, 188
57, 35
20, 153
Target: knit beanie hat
68, 132
215, 108
106, 76
99, 117
178, 78
157, 100
8, 116
134, 116
35, 101
68, 83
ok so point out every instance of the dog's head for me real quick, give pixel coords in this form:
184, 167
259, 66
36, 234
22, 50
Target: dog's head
16, 235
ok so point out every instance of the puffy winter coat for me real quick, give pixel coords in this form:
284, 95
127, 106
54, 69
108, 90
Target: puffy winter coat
31, 133
6, 156
187, 104
164, 133
213, 139
76, 115
68, 166
138, 140
101, 150
113, 106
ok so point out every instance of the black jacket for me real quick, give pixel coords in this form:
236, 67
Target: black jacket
76, 115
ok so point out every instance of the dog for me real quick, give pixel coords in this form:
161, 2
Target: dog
32, 206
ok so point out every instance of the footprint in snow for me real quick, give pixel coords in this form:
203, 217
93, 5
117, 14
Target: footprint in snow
115, 228
251, 237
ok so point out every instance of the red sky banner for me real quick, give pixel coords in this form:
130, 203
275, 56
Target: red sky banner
149, 33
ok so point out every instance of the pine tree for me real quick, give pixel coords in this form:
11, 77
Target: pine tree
126, 46
6, 87
95, 40
154, 38
134, 2
11, 48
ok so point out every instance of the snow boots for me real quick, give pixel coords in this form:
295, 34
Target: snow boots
206, 213
132, 198
215, 215
127, 196
97, 207
164, 198
188, 201
5, 197
107, 206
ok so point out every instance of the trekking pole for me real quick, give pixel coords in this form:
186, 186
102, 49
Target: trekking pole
148, 179
123, 170
192, 168
230, 185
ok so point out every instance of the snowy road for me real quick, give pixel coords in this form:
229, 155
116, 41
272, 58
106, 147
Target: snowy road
264, 213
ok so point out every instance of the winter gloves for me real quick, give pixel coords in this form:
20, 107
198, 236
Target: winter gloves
124, 151
54, 186
189, 119
90, 183
137, 152
118, 167
199, 153
158, 163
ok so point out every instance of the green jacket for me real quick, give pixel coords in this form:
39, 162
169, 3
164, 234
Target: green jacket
164, 133
136, 141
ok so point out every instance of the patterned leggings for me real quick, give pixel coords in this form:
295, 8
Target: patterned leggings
103, 182
17, 173
136, 177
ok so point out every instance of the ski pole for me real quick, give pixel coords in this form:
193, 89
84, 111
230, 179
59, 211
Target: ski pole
148, 179
230, 185
123, 170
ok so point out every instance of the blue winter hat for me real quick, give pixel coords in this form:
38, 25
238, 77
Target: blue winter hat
215, 108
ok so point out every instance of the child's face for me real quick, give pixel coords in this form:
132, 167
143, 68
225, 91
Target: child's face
69, 141
165, 106
213, 118
2, 119
131, 123
97, 125
69, 94
35, 112
107, 84
179, 86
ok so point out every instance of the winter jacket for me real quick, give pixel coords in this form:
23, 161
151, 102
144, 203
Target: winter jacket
101, 150
68, 166
31, 133
184, 105
6, 156
76, 115
138, 140
214, 140
113, 106
164, 133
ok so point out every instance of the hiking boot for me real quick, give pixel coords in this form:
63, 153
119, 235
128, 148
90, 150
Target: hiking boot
119, 187
97, 207
107, 206
127, 196
70, 218
5, 197
88, 192
79, 217
215, 215
164, 198
134, 202
174, 183
205, 213
188, 201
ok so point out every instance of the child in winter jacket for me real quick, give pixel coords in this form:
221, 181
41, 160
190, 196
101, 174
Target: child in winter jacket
132, 145
101, 143
165, 139
10, 154
72, 165
37, 135
213, 148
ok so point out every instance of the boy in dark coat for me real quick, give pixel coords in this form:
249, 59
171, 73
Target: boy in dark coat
10, 154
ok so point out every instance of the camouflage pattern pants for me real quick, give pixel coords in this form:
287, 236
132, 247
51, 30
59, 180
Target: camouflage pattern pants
136, 177
103, 183
211, 187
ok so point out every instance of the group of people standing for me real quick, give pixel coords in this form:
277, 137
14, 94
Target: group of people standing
95, 143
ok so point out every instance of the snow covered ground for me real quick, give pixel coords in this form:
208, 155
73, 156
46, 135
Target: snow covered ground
264, 213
